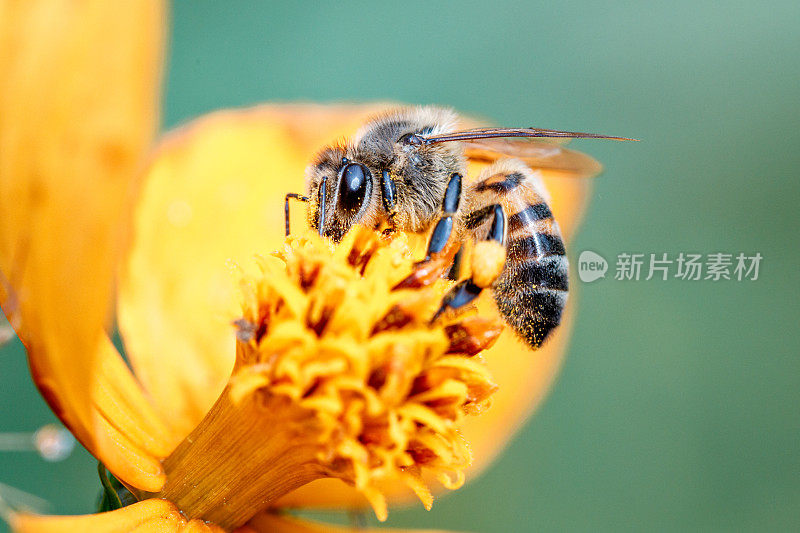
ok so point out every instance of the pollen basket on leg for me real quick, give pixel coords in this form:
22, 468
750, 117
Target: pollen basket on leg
340, 332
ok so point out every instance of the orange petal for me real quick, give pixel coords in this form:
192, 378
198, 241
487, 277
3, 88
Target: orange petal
118, 397
281, 523
199, 526
78, 92
145, 516
214, 194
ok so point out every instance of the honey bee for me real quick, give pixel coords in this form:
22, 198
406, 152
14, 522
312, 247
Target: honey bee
404, 170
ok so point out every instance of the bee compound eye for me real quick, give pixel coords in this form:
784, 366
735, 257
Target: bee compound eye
353, 187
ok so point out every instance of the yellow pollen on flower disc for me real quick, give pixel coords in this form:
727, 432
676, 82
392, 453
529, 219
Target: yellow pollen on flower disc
343, 332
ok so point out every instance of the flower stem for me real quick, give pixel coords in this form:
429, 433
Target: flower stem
242, 457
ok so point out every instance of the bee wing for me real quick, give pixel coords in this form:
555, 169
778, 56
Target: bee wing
537, 147
492, 133
536, 154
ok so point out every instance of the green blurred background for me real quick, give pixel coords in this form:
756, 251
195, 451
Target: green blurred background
677, 408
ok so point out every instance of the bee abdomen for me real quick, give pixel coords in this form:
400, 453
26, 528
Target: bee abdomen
531, 291
531, 295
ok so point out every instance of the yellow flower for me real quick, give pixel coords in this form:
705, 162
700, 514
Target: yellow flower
338, 374
78, 95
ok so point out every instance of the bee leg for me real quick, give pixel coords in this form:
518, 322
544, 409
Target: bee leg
294, 196
488, 260
444, 228
388, 195
321, 222
455, 270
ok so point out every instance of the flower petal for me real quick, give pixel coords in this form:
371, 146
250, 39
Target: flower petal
214, 194
281, 523
149, 515
199, 526
78, 87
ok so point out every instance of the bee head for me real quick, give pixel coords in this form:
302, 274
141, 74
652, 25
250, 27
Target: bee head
339, 191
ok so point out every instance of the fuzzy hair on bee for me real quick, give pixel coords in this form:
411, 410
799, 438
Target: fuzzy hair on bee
404, 170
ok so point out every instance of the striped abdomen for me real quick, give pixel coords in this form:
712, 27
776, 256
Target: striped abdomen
532, 289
